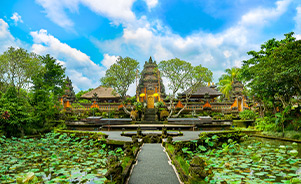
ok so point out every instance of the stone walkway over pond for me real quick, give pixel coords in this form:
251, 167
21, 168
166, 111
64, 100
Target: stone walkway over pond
187, 135
153, 167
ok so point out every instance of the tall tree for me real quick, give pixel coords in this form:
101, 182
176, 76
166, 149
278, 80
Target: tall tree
273, 73
226, 81
48, 84
120, 75
17, 67
183, 76
54, 75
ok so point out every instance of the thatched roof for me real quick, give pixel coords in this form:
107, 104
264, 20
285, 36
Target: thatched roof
102, 92
201, 91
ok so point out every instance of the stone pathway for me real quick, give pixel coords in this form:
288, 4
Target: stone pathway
187, 135
116, 135
153, 167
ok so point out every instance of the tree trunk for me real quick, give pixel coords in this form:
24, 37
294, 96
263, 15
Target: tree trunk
175, 116
171, 109
125, 110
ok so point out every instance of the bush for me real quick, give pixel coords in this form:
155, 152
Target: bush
266, 124
247, 115
228, 117
94, 109
163, 115
104, 114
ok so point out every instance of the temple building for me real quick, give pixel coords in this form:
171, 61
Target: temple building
69, 95
150, 88
102, 94
202, 94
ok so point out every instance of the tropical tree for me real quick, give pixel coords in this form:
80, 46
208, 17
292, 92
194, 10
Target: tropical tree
226, 81
48, 84
17, 67
273, 73
273, 76
120, 75
81, 92
53, 75
182, 76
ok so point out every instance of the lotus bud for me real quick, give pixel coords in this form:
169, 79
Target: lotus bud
295, 145
293, 153
282, 147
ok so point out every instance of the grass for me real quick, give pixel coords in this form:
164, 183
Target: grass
179, 159
125, 162
183, 164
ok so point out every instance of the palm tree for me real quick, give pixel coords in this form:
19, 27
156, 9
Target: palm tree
226, 81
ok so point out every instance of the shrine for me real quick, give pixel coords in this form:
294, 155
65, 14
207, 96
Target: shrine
150, 88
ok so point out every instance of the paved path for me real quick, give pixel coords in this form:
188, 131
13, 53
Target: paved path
116, 135
153, 167
187, 135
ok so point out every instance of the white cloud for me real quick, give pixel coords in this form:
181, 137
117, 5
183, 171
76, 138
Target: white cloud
215, 51
55, 11
17, 18
108, 60
6, 38
261, 16
83, 72
118, 11
151, 4
227, 53
297, 19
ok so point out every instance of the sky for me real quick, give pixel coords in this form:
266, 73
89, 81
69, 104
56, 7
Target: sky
87, 36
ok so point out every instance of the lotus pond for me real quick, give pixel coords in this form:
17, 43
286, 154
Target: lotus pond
251, 161
54, 158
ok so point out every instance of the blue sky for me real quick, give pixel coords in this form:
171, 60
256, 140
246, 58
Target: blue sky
87, 36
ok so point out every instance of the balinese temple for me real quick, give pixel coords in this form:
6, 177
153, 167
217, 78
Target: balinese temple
150, 88
239, 99
204, 98
69, 96
102, 94
202, 94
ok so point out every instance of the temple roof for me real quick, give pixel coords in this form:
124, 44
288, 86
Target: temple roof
201, 91
102, 92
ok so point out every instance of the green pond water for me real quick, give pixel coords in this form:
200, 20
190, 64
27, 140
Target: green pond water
54, 158
256, 161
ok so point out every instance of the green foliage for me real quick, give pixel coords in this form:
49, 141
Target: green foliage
273, 73
131, 100
230, 161
183, 76
266, 124
53, 157
80, 93
226, 81
15, 113
247, 115
120, 75
17, 68
53, 75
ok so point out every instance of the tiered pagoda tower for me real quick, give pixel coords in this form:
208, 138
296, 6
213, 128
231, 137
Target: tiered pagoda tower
150, 88
69, 95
